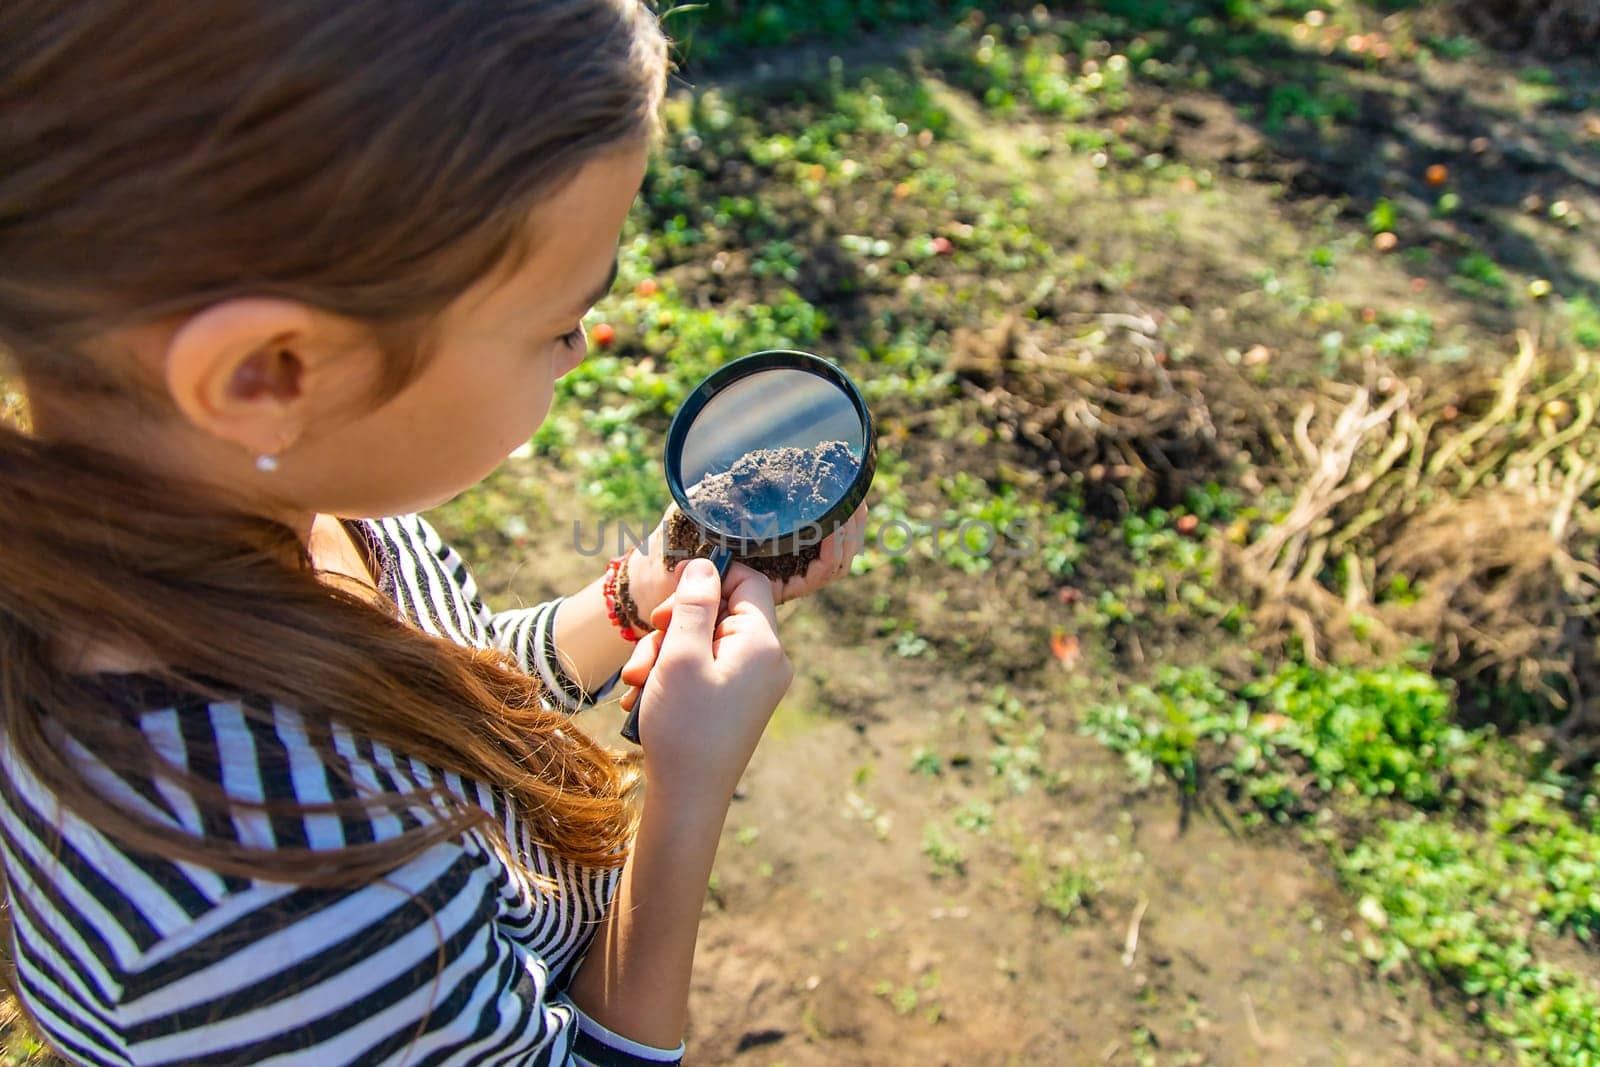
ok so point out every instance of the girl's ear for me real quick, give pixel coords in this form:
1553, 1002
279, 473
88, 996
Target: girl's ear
251, 371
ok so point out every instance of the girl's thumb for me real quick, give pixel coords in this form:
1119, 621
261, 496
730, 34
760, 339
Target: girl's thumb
694, 612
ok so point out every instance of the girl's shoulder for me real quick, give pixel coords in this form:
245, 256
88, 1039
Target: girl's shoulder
285, 781
428, 580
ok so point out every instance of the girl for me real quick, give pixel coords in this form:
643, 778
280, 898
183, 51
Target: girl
276, 786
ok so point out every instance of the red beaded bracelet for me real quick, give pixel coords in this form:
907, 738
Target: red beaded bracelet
609, 587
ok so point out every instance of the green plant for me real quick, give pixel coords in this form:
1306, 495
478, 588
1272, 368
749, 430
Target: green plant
947, 856
1377, 733
976, 817
1477, 273
1017, 757
1282, 745
1068, 892
1583, 318
1439, 897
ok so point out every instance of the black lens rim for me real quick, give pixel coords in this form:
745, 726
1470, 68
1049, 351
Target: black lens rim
739, 369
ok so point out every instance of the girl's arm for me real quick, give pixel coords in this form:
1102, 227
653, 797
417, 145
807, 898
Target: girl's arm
588, 644
710, 690
635, 980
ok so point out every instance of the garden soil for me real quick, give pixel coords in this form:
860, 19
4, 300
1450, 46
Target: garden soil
825, 941
760, 487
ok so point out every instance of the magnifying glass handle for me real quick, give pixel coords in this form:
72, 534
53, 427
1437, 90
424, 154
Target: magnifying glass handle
720, 558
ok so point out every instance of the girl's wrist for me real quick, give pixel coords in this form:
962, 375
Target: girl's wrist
620, 609
683, 807
649, 582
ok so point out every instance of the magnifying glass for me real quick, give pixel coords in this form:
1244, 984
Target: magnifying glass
767, 457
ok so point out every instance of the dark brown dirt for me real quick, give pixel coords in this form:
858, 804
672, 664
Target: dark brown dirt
771, 482
684, 541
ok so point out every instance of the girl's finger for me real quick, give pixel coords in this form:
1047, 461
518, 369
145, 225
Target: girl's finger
829, 557
637, 669
694, 613
749, 594
662, 615
855, 538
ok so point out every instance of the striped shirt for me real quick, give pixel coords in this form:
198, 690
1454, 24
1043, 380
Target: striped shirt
455, 958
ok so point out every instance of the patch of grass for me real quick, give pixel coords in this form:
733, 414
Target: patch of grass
1040, 71
976, 817
1583, 322
1454, 48
1314, 105
1455, 903
1405, 335
1478, 275
712, 32
927, 762
1068, 892
1384, 217
905, 999
1284, 745
1017, 756
946, 855
1176, 567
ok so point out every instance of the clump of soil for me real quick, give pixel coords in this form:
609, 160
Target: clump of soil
762, 487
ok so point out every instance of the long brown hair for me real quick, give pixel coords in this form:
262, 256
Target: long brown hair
372, 158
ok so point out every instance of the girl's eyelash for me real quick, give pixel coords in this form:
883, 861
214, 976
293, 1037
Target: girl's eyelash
574, 338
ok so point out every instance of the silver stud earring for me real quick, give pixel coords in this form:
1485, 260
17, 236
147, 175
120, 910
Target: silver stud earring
266, 464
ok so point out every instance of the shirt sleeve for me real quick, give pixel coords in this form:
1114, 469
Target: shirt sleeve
595, 1046
413, 968
434, 588
528, 635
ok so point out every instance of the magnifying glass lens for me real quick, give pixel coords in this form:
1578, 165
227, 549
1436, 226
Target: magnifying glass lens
771, 453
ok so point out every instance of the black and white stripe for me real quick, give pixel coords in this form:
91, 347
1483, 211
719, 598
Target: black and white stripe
455, 958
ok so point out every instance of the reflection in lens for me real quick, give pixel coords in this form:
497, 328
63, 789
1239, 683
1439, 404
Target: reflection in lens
773, 491
772, 453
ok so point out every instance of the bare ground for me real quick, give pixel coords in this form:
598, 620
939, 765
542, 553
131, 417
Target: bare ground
830, 937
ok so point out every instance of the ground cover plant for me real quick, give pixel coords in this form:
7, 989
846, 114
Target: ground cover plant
1218, 683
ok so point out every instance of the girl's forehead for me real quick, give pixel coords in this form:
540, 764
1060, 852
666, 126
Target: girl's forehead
570, 241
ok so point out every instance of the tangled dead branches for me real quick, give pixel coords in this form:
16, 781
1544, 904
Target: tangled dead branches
1106, 404
1453, 512
1473, 536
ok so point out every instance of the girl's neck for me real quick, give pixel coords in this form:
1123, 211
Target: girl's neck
338, 558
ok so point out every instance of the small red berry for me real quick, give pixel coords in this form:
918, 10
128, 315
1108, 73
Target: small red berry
603, 334
1188, 524
648, 287
943, 246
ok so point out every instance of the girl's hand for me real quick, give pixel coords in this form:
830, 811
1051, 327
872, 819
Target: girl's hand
838, 552
652, 584
712, 674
